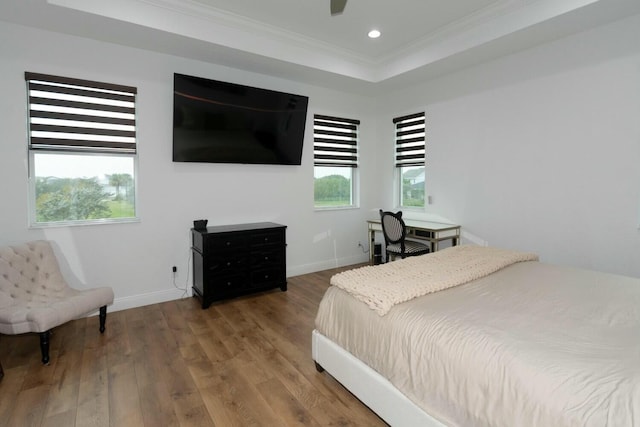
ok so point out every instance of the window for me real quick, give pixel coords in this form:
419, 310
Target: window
410, 159
335, 156
82, 150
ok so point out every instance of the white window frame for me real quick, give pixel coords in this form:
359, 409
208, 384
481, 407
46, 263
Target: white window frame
410, 150
69, 116
336, 145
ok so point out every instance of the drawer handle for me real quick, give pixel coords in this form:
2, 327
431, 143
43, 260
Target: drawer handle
228, 243
228, 283
266, 258
266, 276
228, 263
266, 239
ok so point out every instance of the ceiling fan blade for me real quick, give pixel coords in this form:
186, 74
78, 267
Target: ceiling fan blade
337, 7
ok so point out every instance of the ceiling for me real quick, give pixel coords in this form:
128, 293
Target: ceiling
402, 22
299, 39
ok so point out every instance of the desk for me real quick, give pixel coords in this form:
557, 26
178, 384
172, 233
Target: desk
432, 232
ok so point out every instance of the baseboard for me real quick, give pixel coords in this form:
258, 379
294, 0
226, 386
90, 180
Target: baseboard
467, 237
141, 300
149, 298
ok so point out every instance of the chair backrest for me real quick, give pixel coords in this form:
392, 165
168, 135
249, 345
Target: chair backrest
393, 227
30, 272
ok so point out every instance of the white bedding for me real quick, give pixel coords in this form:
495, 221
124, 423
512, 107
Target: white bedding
530, 345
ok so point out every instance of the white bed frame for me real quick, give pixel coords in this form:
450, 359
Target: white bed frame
370, 387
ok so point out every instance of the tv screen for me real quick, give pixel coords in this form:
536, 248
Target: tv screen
219, 122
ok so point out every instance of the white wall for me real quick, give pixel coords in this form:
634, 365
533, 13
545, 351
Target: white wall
540, 150
136, 258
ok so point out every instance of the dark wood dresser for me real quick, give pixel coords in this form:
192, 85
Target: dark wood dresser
233, 260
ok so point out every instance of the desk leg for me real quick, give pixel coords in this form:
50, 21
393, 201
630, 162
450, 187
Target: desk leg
372, 242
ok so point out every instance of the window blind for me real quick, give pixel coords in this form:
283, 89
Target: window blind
79, 115
410, 140
335, 141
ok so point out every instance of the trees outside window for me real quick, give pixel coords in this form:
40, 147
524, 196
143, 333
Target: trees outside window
334, 189
71, 187
412, 190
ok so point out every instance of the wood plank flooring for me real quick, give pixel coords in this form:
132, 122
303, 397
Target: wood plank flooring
242, 362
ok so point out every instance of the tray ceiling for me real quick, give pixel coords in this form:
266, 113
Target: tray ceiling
300, 39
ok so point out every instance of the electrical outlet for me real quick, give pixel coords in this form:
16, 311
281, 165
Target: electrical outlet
360, 245
174, 268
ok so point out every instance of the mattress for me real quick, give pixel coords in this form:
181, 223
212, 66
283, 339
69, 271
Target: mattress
530, 345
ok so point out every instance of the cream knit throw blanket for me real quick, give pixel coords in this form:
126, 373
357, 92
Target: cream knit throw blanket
383, 286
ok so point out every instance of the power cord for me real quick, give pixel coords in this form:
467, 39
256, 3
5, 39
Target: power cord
186, 279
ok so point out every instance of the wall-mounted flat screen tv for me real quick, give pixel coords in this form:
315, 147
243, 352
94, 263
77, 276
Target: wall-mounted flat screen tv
220, 122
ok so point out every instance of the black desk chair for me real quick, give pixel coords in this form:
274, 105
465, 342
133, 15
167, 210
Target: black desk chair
395, 233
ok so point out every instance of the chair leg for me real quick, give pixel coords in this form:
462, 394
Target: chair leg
103, 317
44, 346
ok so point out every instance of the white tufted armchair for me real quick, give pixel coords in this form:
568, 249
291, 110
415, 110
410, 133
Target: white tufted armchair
34, 297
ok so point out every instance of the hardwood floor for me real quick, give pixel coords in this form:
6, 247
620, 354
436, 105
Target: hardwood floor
242, 362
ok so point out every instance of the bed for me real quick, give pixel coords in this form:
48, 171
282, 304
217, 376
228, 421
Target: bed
523, 343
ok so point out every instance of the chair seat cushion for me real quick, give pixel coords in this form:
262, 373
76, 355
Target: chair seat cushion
410, 248
40, 317
34, 297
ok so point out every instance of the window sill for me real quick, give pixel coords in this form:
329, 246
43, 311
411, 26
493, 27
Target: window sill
37, 225
335, 208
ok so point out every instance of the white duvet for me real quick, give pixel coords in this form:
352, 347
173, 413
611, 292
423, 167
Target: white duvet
530, 345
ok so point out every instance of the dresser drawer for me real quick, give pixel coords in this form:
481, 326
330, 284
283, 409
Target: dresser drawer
265, 276
267, 258
216, 244
221, 264
228, 283
271, 237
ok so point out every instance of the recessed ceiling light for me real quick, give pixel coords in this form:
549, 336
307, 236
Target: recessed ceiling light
374, 34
